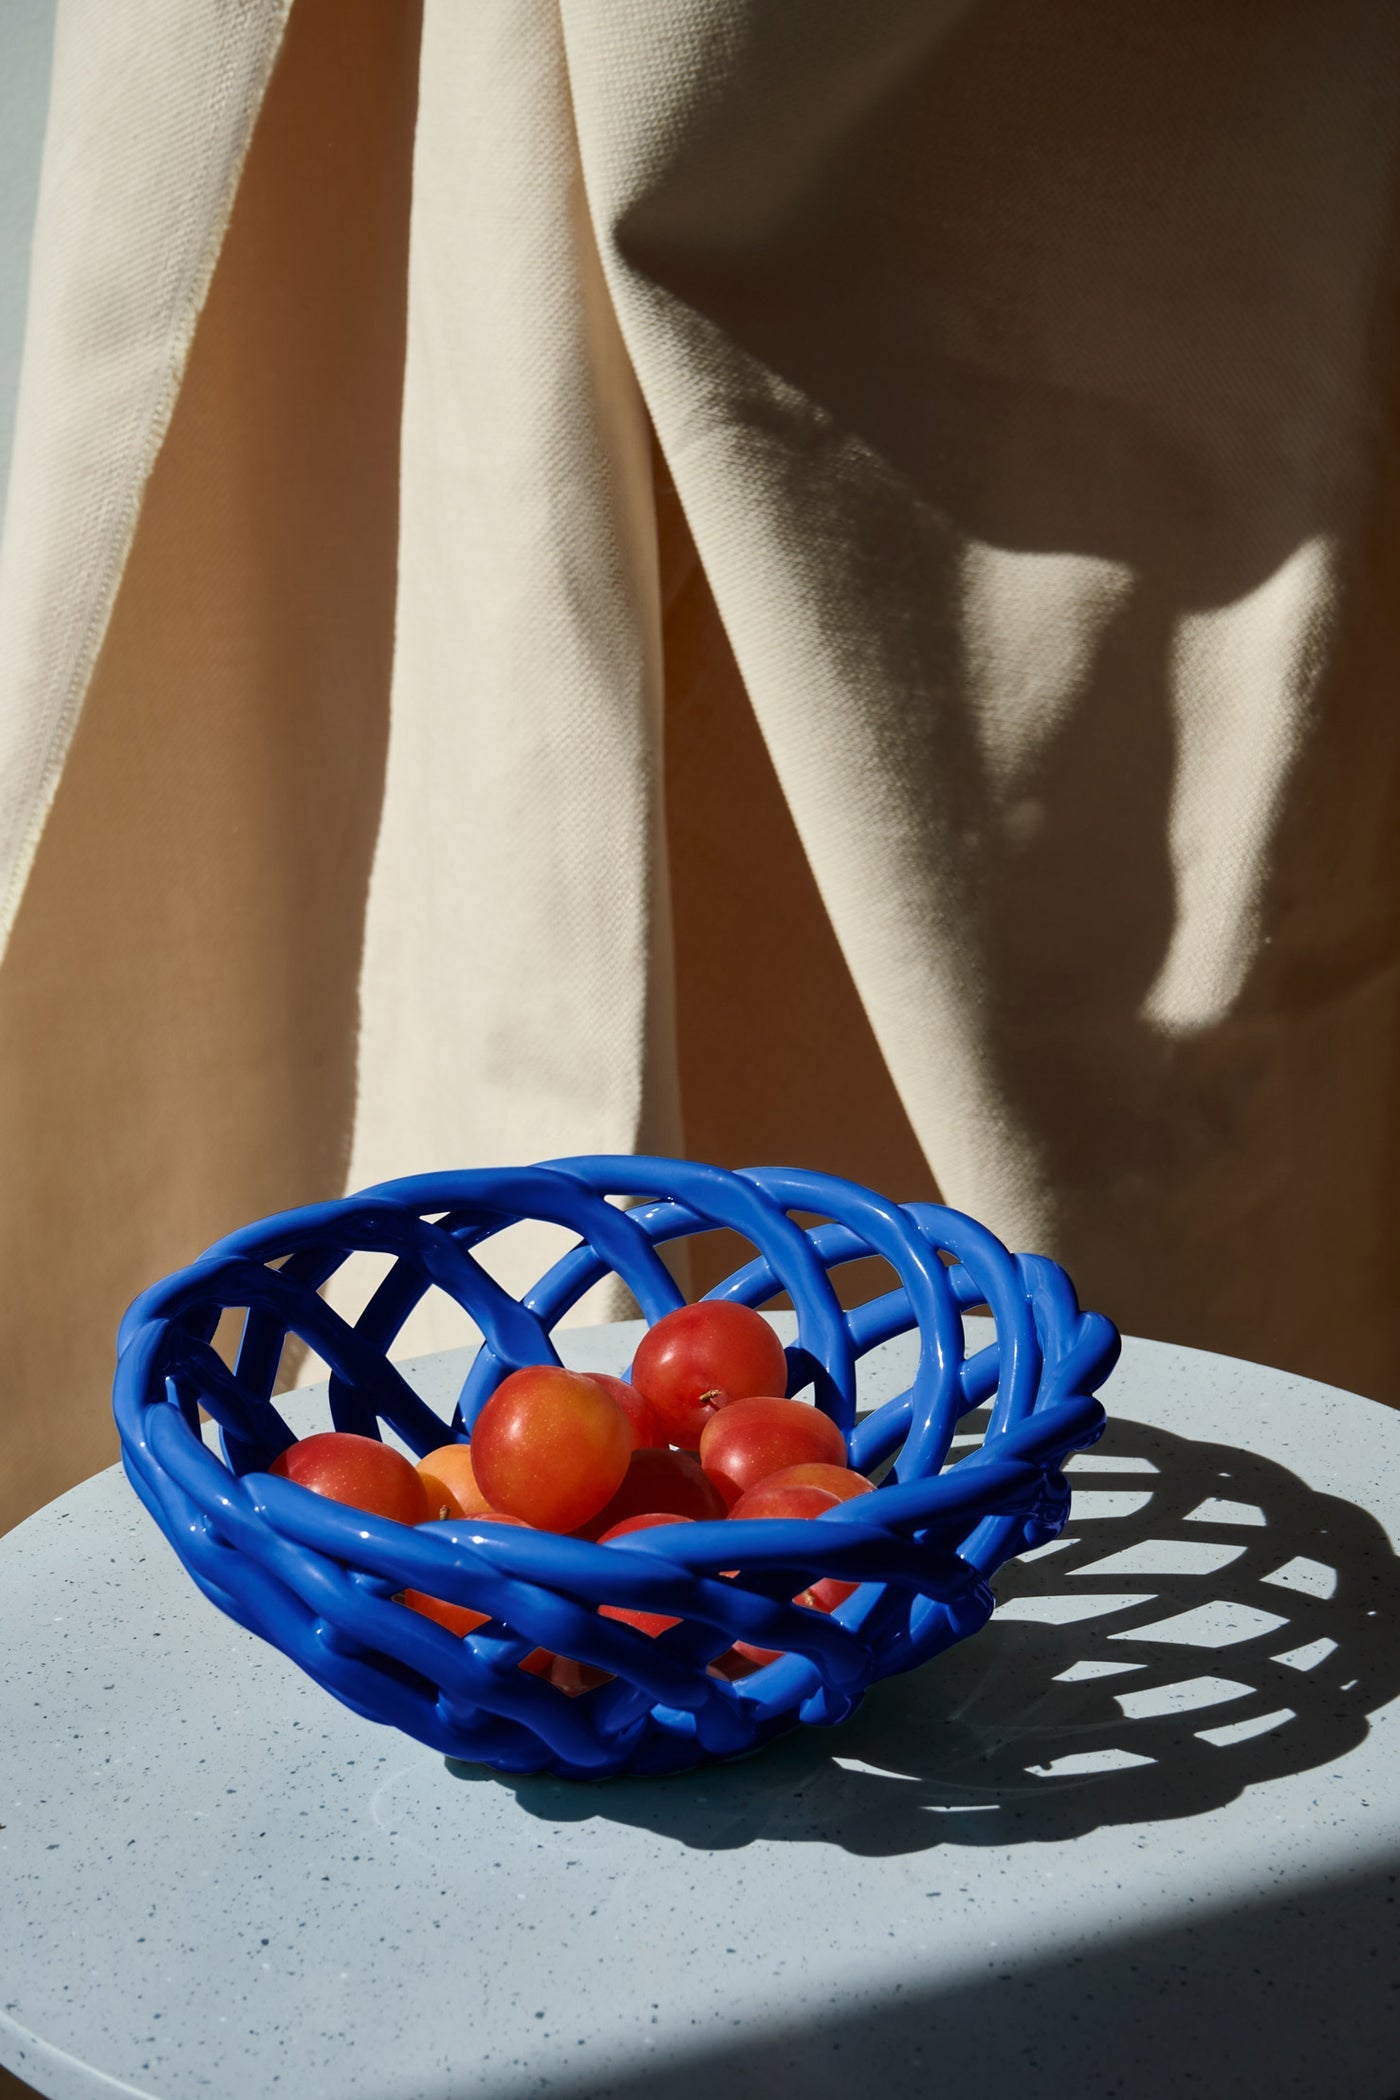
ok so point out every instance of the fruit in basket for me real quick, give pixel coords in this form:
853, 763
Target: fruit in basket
450, 1478
700, 1357
457, 1618
550, 1446
785, 1495
803, 1491
553, 1441
764, 1500
669, 1482
734, 1666
357, 1470
572, 1677
648, 1430
564, 1673
769, 1499
754, 1437
652, 1622
839, 1481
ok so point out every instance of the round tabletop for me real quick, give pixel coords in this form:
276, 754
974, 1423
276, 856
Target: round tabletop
1141, 1835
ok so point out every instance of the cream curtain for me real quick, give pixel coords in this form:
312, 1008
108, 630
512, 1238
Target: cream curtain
788, 580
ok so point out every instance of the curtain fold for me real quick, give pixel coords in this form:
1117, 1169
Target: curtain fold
517, 989
1025, 375
151, 110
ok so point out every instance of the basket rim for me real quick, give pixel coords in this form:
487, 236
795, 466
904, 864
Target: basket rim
931, 1537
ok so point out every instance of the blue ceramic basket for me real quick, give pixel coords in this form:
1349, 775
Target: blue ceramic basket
320, 1580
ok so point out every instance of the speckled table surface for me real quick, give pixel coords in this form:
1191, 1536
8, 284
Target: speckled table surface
1141, 1836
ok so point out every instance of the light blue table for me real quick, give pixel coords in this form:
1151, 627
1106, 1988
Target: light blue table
1141, 1837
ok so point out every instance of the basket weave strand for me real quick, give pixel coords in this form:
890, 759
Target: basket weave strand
320, 1580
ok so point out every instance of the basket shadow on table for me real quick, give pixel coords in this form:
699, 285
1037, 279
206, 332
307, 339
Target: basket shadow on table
1207, 1622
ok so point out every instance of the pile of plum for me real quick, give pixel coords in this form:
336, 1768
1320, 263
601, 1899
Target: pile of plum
700, 1431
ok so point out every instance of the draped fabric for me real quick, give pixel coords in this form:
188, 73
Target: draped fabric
727, 576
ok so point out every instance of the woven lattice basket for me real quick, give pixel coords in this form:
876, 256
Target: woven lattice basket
320, 1580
